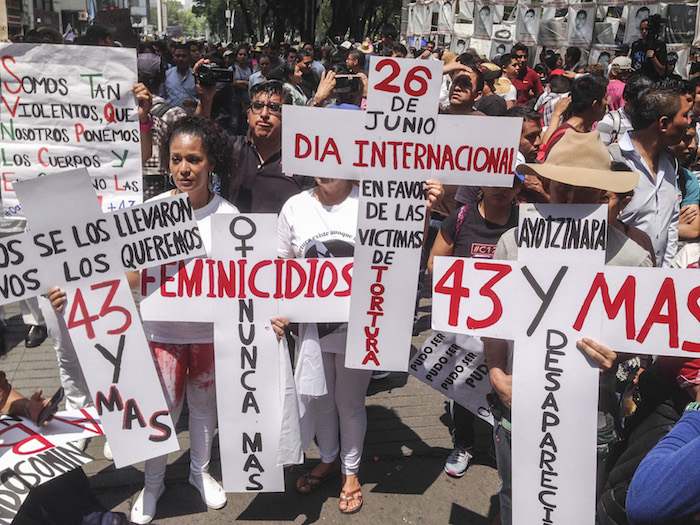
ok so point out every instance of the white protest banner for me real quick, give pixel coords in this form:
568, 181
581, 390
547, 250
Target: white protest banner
102, 319
453, 153
483, 19
248, 394
500, 47
454, 365
602, 54
564, 230
546, 307
308, 290
528, 23
465, 11
390, 224
70, 107
581, 19
459, 44
696, 34
387, 254
239, 289
683, 52
31, 455
446, 19
638, 10
680, 28
156, 232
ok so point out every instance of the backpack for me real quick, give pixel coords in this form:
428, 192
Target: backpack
617, 124
161, 109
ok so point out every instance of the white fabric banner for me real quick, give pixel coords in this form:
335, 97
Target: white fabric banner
66, 107
528, 23
484, 17
638, 10
446, 18
581, 19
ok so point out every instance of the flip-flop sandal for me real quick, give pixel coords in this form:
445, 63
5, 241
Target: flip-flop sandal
314, 482
348, 497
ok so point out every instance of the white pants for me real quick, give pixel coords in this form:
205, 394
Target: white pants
31, 313
340, 416
69, 371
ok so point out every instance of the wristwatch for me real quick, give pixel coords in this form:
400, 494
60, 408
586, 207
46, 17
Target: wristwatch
693, 405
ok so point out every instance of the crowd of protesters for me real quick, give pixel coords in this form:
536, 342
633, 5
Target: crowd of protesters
635, 116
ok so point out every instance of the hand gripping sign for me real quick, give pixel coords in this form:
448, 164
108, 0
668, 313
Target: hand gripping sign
399, 142
71, 244
551, 297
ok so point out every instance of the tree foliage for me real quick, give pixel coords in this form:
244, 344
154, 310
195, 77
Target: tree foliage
192, 24
284, 19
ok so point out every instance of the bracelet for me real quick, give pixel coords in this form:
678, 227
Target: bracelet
145, 128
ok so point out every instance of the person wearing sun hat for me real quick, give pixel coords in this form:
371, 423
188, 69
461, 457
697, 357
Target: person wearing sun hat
578, 170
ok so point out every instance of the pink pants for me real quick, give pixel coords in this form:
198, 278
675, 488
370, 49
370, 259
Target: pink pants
187, 367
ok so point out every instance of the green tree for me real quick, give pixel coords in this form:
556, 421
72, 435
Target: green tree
192, 24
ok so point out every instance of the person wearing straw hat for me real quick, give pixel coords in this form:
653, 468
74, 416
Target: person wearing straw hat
578, 171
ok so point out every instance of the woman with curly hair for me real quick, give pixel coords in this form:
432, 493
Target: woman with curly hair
184, 352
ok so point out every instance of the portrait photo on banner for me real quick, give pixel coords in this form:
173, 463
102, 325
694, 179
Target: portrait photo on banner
446, 18
528, 23
581, 19
637, 12
680, 27
483, 19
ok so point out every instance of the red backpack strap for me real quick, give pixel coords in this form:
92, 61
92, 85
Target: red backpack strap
460, 220
544, 151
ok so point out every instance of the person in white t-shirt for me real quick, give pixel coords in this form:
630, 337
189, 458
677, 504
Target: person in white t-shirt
318, 223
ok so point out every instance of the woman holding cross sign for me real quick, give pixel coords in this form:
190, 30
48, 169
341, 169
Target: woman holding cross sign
319, 223
184, 352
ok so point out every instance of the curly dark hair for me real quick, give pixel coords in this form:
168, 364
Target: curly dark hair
214, 142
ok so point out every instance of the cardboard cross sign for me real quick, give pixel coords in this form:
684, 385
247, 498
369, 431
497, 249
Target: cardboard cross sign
239, 289
555, 294
399, 142
71, 244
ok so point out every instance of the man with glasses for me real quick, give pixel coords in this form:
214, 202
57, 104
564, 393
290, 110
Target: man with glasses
258, 184
527, 82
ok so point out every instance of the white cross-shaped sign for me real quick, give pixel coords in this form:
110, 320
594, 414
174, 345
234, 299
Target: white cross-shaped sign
399, 142
549, 299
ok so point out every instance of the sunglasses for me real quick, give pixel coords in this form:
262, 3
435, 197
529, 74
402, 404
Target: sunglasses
274, 107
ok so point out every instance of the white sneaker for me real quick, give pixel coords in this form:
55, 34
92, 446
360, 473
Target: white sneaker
107, 452
144, 508
212, 493
81, 443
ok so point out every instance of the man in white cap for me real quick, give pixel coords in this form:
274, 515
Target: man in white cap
578, 170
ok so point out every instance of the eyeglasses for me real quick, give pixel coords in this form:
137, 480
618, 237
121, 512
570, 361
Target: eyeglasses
274, 107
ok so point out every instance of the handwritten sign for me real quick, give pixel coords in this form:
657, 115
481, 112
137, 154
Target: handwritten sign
31, 455
546, 304
454, 365
77, 250
66, 107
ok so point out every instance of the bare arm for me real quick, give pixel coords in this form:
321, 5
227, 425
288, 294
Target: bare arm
689, 223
